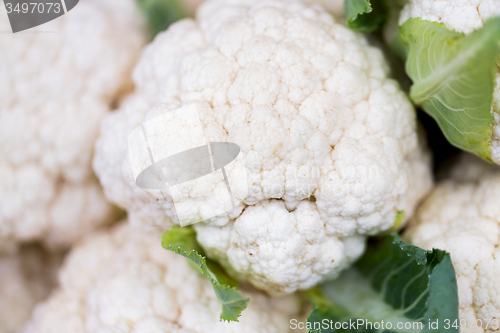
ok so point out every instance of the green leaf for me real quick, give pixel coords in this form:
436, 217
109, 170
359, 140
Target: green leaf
453, 79
362, 16
185, 238
400, 217
397, 287
161, 13
183, 242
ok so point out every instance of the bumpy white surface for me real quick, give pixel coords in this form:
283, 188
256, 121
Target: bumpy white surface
57, 81
26, 278
278, 250
463, 16
460, 15
122, 280
316, 116
462, 216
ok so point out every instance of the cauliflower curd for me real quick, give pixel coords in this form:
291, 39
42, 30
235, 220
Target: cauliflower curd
121, 280
462, 216
329, 141
57, 81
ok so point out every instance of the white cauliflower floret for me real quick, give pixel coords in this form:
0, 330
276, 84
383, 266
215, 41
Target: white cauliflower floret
57, 81
309, 103
335, 7
462, 216
292, 252
26, 278
463, 16
122, 280
460, 15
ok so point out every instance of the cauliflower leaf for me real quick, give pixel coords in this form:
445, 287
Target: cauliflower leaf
453, 79
182, 241
161, 13
362, 16
395, 284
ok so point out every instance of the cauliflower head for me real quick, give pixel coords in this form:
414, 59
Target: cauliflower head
57, 81
463, 16
460, 15
122, 280
26, 278
462, 216
329, 141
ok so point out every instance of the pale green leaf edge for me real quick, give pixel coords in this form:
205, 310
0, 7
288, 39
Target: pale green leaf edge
355, 8
233, 301
466, 124
365, 15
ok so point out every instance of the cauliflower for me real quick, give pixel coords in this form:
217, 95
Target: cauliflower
122, 280
25, 279
463, 16
278, 250
329, 142
335, 7
57, 81
462, 216
460, 15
